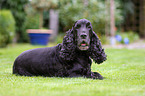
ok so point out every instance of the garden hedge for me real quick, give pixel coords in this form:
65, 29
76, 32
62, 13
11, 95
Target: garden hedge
7, 27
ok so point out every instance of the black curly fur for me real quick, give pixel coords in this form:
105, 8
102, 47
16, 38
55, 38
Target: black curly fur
96, 51
68, 51
63, 60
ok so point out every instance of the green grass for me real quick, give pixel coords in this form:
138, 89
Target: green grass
124, 71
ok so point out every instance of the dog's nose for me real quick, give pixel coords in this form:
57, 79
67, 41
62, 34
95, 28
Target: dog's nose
83, 35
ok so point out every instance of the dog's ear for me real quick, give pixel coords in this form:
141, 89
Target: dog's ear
75, 23
96, 51
67, 51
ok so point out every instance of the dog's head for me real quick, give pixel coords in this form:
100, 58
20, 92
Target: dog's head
82, 31
82, 37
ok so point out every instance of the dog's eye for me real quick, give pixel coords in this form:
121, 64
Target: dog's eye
89, 27
78, 26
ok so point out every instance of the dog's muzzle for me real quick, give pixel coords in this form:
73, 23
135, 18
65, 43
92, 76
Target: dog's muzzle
84, 45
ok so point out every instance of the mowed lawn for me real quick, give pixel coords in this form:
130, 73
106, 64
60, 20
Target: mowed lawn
124, 73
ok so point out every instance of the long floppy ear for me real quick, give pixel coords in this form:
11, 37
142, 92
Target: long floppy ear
75, 23
96, 51
67, 51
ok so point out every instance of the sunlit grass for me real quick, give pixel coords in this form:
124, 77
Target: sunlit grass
124, 73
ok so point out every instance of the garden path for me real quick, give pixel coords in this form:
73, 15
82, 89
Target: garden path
136, 45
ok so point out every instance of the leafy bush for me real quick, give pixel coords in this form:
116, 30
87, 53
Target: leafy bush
7, 27
32, 18
104, 39
59, 38
32, 22
131, 36
17, 9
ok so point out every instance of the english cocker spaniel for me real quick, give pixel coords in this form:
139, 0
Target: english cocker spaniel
71, 58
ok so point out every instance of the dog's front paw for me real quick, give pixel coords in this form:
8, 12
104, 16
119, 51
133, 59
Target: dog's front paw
96, 75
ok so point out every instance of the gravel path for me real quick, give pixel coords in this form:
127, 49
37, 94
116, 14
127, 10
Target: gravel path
136, 45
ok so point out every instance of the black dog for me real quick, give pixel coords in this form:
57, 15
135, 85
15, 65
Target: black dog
72, 58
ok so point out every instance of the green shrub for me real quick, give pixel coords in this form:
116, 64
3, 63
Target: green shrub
59, 38
32, 21
17, 9
32, 18
7, 27
132, 36
104, 39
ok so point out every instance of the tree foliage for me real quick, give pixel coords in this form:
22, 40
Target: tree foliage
17, 8
44, 4
126, 7
95, 11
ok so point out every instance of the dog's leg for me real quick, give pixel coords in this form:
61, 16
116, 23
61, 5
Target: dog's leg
75, 75
22, 72
96, 75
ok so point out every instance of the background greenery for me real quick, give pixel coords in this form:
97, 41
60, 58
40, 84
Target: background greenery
7, 27
96, 11
17, 9
69, 11
124, 72
32, 18
132, 37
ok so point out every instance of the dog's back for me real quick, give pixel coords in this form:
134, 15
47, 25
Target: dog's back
36, 62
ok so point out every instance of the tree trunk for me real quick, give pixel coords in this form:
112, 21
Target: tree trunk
53, 23
112, 23
142, 19
86, 3
107, 18
41, 19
